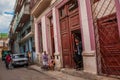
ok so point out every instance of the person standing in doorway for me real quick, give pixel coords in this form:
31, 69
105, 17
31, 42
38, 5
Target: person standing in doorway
77, 57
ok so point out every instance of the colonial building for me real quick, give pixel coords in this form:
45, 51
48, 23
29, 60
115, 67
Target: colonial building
95, 22
21, 30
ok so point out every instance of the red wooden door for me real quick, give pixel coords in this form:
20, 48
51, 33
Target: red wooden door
52, 35
109, 45
65, 42
74, 25
52, 40
69, 21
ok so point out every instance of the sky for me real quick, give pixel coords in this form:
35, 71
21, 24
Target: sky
6, 14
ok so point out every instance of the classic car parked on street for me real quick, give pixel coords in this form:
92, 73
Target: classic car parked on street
19, 59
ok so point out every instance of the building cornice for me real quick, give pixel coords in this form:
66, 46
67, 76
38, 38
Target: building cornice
40, 7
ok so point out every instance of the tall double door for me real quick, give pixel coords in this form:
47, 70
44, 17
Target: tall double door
69, 25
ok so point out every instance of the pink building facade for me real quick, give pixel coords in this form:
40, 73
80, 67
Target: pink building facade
56, 22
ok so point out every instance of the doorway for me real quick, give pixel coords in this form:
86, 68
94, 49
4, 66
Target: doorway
76, 49
52, 35
69, 24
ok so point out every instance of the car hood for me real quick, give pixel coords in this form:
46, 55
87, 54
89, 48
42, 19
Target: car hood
19, 59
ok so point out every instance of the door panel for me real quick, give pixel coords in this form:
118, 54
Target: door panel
65, 42
74, 21
64, 25
69, 20
109, 45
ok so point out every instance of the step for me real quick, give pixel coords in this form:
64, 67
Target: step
86, 75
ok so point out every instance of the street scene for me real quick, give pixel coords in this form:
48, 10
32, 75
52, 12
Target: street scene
60, 40
21, 73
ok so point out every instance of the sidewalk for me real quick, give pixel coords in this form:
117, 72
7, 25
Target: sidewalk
70, 74
86, 75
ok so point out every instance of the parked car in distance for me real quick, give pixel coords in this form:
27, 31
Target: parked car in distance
4, 53
19, 59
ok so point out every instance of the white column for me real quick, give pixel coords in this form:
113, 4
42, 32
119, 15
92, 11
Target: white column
85, 26
44, 33
55, 30
36, 37
37, 53
56, 38
89, 57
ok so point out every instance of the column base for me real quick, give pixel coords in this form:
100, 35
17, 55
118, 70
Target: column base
58, 64
38, 60
89, 62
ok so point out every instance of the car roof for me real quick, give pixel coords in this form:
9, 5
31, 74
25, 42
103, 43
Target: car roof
17, 54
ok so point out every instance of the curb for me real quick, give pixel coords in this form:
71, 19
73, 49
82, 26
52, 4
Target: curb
84, 75
40, 71
89, 76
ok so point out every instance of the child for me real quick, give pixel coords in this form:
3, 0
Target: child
51, 63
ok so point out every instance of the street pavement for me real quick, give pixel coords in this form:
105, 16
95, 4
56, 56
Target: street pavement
21, 73
36, 73
56, 74
68, 74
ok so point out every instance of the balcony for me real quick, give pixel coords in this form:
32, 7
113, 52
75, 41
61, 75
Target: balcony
23, 17
27, 36
33, 3
18, 5
26, 33
12, 35
39, 7
15, 23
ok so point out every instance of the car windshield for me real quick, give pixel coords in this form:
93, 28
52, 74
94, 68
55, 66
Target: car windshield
18, 56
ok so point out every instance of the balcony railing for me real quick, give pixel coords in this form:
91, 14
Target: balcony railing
15, 4
33, 3
22, 16
28, 35
15, 22
18, 5
24, 10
